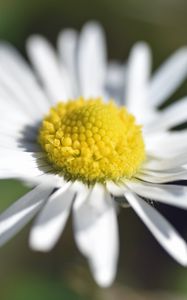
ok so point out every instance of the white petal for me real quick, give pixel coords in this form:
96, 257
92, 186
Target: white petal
51, 221
21, 212
23, 163
51, 179
18, 130
4, 174
8, 109
162, 230
9, 116
166, 144
33, 177
92, 60
30, 156
46, 64
115, 81
165, 164
15, 157
166, 193
12, 63
67, 42
16, 144
14, 129
114, 189
14, 174
162, 177
168, 77
19, 126
174, 115
138, 73
96, 233
11, 92
67, 45
47, 179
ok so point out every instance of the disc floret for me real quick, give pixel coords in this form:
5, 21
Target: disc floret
92, 141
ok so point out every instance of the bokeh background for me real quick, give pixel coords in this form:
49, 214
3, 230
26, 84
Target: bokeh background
145, 271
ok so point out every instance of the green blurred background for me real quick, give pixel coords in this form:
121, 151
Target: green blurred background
145, 271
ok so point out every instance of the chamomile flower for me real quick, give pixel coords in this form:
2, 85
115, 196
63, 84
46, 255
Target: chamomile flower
84, 132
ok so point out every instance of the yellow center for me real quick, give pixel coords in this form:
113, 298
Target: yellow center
92, 141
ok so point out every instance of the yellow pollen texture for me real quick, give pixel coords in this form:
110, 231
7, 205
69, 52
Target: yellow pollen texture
92, 141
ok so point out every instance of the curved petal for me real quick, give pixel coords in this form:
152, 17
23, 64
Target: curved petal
13, 64
168, 77
67, 46
157, 164
166, 193
92, 60
171, 116
21, 212
138, 73
162, 230
96, 233
11, 91
166, 144
46, 64
13, 143
114, 189
163, 177
115, 81
19, 160
20, 175
51, 221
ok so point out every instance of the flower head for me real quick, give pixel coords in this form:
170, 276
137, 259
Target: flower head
92, 141
86, 132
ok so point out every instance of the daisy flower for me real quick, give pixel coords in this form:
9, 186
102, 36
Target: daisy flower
83, 133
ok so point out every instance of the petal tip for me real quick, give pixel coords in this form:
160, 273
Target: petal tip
37, 243
104, 278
